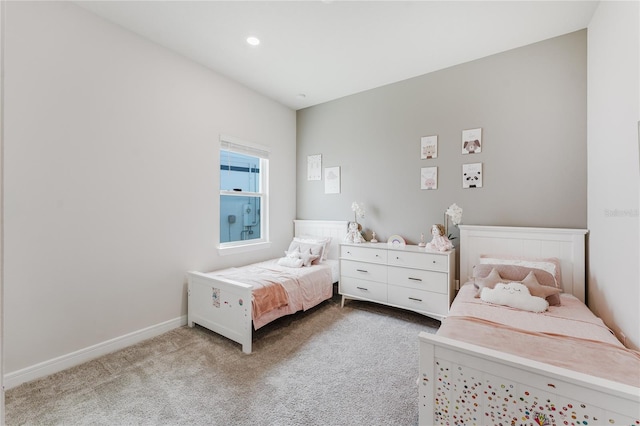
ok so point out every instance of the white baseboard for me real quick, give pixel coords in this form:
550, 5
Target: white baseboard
72, 359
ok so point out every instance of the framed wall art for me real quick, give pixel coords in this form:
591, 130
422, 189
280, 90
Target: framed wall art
332, 180
472, 141
472, 175
428, 147
429, 178
314, 167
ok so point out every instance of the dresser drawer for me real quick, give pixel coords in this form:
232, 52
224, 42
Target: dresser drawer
419, 279
424, 260
363, 289
418, 300
363, 253
365, 271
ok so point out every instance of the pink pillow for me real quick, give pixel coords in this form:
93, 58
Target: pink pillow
488, 281
548, 264
515, 273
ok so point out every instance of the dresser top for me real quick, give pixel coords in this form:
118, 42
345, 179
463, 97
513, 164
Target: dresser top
405, 248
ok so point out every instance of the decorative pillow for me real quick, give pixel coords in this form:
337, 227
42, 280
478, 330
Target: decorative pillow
315, 249
294, 253
308, 258
518, 273
325, 241
514, 295
291, 262
535, 289
488, 281
549, 264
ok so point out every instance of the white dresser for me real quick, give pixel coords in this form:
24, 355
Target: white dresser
408, 277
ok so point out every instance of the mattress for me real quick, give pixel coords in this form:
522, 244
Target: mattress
568, 336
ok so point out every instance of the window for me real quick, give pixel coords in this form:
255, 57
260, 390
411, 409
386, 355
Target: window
244, 171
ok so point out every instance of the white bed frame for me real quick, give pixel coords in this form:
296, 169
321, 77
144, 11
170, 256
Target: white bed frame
466, 384
232, 318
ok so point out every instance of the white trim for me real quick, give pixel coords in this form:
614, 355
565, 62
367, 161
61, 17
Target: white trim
230, 143
72, 359
243, 248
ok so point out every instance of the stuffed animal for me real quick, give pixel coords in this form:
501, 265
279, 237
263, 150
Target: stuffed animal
354, 235
514, 295
440, 241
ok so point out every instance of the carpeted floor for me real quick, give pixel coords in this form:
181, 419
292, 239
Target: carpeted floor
355, 365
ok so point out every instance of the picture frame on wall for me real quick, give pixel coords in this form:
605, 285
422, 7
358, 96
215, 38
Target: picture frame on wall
472, 141
428, 147
429, 178
332, 180
314, 167
472, 175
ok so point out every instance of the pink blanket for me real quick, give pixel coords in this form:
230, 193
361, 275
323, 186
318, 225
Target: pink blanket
279, 290
568, 336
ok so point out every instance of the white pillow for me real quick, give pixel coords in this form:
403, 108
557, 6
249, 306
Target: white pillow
290, 262
325, 241
304, 245
308, 257
514, 295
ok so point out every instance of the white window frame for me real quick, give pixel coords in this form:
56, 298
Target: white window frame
230, 143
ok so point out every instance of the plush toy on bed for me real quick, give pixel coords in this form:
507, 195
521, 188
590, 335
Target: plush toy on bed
515, 295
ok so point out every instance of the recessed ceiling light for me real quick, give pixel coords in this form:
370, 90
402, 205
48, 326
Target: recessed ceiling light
254, 41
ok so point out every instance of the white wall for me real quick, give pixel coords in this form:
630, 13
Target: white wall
613, 184
112, 173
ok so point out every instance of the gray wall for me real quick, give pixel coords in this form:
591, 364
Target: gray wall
530, 103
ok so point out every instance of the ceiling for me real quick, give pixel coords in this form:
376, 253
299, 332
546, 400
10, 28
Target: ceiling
316, 51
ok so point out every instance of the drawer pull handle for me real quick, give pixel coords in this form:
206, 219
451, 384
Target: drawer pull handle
361, 270
434, 261
415, 279
417, 300
362, 288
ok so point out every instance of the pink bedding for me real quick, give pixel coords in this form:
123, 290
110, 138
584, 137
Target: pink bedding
279, 290
568, 336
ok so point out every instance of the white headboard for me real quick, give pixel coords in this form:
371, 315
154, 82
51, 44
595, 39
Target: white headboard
568, 245
336, 229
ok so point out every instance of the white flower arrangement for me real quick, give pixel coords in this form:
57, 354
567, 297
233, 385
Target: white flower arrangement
454, 212
358, 210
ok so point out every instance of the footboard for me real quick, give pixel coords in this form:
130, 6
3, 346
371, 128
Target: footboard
465, 384
222, 306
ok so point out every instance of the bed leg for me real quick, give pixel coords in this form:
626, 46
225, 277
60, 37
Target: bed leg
342, 303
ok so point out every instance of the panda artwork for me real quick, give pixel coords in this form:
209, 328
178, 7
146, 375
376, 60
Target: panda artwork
472, 175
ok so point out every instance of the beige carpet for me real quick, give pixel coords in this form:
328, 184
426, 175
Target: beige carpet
355, 365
